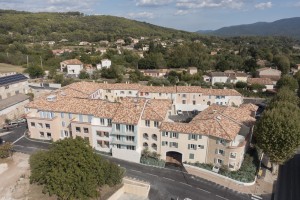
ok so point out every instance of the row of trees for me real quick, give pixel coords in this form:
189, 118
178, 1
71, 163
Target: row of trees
278, 130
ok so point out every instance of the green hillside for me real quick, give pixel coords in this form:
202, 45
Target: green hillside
75, 26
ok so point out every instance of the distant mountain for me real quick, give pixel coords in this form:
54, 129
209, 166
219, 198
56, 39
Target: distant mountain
205, 31
289, 27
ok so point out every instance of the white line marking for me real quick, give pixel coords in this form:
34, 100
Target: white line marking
151, 174
256, 197
222, 197
135, 170
185, 184
18, 139
203, 190
168, 179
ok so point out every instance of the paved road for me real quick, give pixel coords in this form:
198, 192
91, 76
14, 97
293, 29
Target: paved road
288, 185
165, 183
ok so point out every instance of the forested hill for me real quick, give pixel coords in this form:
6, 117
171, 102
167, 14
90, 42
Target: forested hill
285, 27
75, 26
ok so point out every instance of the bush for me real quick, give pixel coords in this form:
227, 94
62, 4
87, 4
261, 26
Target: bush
152, 161
6, 150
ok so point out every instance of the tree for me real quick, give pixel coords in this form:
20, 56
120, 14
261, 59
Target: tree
278, 132
83, 75
241, 84
283, 63
6, 149
35, 71
71, 170
285, 95
287, 81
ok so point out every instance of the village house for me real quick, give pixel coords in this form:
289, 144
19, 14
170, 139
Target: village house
157, 73
268, 72
105, 63
267, 82
192, 70
218, 77
71, 67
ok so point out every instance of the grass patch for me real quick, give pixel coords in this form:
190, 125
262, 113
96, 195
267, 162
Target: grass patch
153, 161
4, 68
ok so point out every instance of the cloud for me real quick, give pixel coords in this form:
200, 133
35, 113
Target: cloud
141, 15
153, 2
182, 12
192, 4
49, 5
263, 6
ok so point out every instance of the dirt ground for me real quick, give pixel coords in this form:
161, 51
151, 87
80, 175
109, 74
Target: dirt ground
10, 68
14, 181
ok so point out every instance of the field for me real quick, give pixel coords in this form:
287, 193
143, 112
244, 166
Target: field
10, 68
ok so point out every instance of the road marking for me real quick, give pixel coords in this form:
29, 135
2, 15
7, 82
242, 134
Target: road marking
222, 197
185, 184
168, 179
135, 170
203, 190
151, 174
255, 197
18, 139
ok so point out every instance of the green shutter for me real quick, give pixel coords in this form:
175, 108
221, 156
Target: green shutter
190, 136
177, 135
189, 146
163, 133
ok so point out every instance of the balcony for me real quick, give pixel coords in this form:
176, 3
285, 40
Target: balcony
123, 142
123, 133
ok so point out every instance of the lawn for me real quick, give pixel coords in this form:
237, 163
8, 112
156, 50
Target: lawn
10, 68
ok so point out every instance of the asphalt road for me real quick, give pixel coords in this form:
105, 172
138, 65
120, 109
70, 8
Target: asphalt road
166, 184
288, 185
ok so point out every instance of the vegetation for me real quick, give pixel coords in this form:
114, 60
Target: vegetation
151, 158
71, 170
6, 149
278, 131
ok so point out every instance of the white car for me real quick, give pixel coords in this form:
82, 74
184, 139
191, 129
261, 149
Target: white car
179, 112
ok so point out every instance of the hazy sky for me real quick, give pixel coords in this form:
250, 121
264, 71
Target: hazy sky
190, 15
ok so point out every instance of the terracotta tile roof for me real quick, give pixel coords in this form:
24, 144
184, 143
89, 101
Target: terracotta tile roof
261, 81
84, 87
218, 121
72, 62
219, 74
98, 108
189, 89
221, 92
129, 111
273, 78
121, 86
158, 89
156, 109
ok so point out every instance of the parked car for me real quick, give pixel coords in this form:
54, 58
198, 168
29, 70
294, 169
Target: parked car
179, 112
21, 120
10, 125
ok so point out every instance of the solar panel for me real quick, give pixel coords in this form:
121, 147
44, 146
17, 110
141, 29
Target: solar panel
11, 79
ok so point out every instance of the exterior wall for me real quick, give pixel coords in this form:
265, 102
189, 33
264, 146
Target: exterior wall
152, 139
269, 87
120, 138
84, 123
101, 141
13, 89
105, 63
37, 124
154, 95
241, 79
74, 69
219, 79
13, 112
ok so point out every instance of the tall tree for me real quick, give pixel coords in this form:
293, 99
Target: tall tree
283, 63
71, 170
278, 132
287, 81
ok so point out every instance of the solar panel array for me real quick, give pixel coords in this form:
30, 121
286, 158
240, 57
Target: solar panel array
12, 78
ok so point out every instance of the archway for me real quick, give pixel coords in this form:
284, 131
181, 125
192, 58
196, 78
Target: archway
174, 157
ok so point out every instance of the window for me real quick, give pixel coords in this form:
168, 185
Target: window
101, 121
166, 134
231, 165
193, 137
146, 93
118, 137
63, 124
221, 151
130, 138
118, 128
194, 102
62, 115
32, 124
105, 134
220, 141
129, 128
80, 118
47, 126
78, 129
66, 133
145, 136
164, 143
183, 101
154, 137
154, 146
40, 125
17, 92
174, 135
200, 146
192, 146
85, 130
191, 156
42, 134
90, 117
156, 123
109, 122
129, 92
122, 92
6, 87
130, 147
159, 94
233, 155
219, 161
183, 95
49, 135
147, 123
118, 146
174, 144
108, 91
145, 145
99, 133
70, 116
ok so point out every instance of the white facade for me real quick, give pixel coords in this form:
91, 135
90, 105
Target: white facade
219, 79
74, 69
105, 63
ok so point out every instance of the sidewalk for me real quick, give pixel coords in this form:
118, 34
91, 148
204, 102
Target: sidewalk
262, 186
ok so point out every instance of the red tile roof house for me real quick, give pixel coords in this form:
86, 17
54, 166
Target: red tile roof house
72, 67
262, 81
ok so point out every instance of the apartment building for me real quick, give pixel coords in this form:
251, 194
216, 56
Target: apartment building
125, 126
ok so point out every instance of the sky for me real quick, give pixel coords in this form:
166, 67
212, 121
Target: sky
189, 15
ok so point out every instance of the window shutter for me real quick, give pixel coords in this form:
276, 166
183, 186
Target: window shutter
190, 136
176, 145
177, 135
163, 143
61, 133
163, 134
216, 151
189, 146
196, 138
